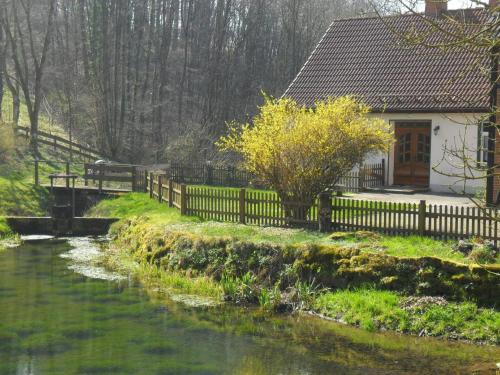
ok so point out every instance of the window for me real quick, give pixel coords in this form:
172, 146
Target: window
424, 148
482, 143
404, 151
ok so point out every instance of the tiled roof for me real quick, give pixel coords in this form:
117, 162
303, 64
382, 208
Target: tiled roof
368, 58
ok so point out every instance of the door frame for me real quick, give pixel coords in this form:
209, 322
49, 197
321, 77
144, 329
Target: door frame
421, 122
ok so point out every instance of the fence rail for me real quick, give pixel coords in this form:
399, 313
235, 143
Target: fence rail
209, 174
123, 177
367, 176
444, 222
60, 143
438, 221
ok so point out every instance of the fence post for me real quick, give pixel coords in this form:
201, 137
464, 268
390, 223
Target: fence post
242, 206
145, 181
67, 174
325, 210
134, 183
101, 169
85, 171
160, 188
383, 172
209, 174
37, 176
183, 199
170, 193
151, 184
421, 217
361, 177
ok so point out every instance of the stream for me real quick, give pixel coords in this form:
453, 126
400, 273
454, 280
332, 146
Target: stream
62, 314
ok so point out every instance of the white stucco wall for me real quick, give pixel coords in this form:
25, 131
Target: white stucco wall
454, 128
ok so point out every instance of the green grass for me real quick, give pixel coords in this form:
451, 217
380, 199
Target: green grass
374, 309
4, 228
139, 204
369, 309
18, 194
411, 246
155, 278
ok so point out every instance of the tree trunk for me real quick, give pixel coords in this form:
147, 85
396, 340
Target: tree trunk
296, 209
2, 65
16, 107
1, 94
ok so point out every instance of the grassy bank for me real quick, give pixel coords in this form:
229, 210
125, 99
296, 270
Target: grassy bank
18, 194
4, 228
7, 237
374, 309
139, 204
288, 269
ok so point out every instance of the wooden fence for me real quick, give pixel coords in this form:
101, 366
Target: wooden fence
437, 221
118, 176
59, 143
367, 176
129, 176
209, 174
266, 209
231, 205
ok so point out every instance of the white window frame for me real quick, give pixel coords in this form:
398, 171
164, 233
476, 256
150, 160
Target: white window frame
483, 137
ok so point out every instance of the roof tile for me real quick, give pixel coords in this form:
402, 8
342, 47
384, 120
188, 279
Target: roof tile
367, 57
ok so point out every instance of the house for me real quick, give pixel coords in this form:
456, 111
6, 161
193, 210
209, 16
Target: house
436, 100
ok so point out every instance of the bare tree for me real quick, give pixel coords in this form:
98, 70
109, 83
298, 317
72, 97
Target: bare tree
134, 77
2, 63
28, 28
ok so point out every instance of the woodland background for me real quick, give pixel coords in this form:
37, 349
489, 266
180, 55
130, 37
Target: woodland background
148, 81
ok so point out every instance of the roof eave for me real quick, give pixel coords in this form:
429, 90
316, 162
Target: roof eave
432, 110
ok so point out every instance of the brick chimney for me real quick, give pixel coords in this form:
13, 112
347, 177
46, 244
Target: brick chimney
434, 8
493, 3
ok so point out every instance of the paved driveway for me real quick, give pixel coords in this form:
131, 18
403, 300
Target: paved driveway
430, 198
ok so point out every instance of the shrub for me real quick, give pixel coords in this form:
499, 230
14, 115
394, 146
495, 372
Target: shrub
300, 152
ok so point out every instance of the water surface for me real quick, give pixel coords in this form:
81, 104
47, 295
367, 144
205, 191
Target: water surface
60, 315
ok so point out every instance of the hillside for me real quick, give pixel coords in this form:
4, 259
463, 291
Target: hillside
18, 193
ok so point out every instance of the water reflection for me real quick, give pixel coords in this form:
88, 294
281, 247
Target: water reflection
56, 321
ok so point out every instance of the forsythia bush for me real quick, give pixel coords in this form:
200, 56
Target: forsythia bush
300, 152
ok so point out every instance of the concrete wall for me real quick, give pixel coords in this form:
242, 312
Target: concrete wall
79, 226
454, 129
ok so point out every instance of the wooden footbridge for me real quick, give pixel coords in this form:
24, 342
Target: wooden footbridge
87, 177
106, 178
79, 186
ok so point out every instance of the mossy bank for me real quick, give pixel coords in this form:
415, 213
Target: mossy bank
311, 276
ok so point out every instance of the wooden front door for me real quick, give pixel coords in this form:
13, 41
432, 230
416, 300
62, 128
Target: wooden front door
412, 153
